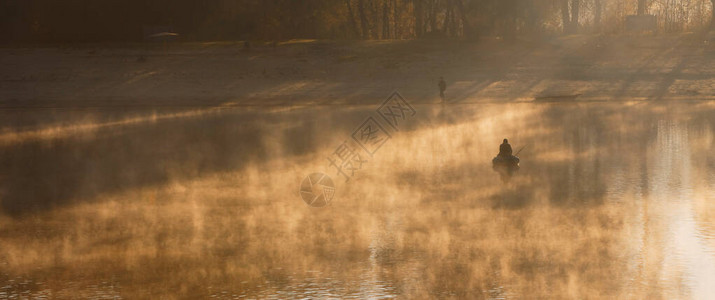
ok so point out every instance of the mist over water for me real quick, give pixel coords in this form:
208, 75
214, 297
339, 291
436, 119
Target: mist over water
612, 200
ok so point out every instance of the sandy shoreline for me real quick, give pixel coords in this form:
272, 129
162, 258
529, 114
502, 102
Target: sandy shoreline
593, 68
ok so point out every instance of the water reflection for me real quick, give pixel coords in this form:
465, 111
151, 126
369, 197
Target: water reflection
614, 198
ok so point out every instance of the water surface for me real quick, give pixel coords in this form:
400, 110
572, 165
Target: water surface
612, 200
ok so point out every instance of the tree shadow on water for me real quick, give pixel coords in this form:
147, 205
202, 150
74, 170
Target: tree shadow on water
46, 173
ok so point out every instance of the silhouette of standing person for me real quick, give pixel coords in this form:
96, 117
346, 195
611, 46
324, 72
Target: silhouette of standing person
442, 87
505, 149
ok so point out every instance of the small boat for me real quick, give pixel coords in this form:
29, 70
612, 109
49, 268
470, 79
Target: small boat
506, 166
506, 161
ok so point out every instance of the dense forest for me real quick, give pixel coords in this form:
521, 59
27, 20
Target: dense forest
131, 20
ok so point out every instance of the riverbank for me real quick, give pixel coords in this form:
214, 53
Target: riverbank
308, 72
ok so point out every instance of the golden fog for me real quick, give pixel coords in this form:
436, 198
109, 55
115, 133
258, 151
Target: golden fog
612, 201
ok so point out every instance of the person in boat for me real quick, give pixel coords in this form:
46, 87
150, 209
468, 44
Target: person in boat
505, 162
505, 149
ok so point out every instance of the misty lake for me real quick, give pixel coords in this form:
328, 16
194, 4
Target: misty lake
613, 200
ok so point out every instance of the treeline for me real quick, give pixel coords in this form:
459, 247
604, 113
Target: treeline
132, 20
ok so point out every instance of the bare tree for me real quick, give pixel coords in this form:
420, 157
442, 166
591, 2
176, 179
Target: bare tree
396, 21
418, 9
641, 7
351, 17
364, 23
597, 10
433, 16
569, 14
385, 20
466, 27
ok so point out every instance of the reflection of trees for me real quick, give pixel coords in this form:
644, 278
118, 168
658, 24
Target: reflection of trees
580, 178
